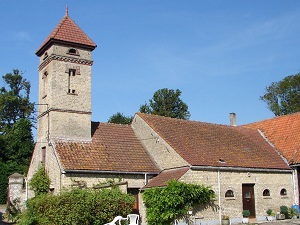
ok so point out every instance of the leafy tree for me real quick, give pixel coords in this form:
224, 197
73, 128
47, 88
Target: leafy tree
14, 100
119, 118
167, 102
16, 118
283, 97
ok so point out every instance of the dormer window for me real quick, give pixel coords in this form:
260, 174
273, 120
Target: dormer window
73, 51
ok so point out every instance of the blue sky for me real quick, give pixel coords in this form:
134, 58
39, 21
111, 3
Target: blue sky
220, 54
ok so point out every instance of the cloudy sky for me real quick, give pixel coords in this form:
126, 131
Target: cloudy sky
220, 54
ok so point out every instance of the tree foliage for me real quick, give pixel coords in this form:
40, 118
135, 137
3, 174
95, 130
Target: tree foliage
16, 118
120, 118
164, 205
77, 207
283, 97
167, 102
14, 100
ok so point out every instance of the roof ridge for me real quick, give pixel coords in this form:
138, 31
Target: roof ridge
183, 120
273, 118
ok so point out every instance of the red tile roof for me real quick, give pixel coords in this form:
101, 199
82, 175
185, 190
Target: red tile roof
205, 144
114, 147
67, 31
165, 176
284, 133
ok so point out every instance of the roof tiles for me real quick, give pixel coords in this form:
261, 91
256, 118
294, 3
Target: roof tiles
114, 147
67, 31
284, 133
165, 176
205, 144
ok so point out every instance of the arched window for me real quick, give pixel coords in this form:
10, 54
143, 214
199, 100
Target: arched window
266, 192
229, 194
73, 51
283, 192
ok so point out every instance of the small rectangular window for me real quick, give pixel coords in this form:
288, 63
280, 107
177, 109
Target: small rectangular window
44, 155
71, 82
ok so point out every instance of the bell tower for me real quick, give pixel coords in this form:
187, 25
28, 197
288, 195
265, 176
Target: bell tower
65, 70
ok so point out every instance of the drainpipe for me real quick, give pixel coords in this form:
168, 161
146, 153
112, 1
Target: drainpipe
219, 197
294, 187
146, 180
26, 189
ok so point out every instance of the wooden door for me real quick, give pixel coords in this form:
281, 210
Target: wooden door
248, 199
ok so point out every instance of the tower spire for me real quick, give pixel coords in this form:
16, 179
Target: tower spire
67, 11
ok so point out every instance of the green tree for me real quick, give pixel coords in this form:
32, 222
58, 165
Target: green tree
16, 118
14, 100
167, 102
120, 118
283, 97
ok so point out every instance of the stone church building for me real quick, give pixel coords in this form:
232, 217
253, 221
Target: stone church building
239, 163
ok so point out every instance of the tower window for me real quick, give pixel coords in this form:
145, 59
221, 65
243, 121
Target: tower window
72, 51
44, 90
45, 55
71, 82
44, 155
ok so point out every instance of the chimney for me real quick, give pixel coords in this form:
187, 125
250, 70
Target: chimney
232, 119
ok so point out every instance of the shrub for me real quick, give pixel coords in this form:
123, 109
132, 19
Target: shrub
77, 207
40, 182
270, 212
164, 205
292, 212
246, 213
284, 210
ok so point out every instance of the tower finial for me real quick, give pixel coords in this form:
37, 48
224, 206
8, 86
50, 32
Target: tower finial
67, 11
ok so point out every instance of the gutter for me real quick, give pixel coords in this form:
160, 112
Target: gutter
109, 172
241, 169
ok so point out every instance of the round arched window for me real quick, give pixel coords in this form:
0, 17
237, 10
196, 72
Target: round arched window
266, 192
72, 51
283, 192
229, 193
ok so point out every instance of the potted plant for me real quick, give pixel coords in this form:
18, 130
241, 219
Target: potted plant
225, 220
293, 213
283, 213
270, 214
246, 214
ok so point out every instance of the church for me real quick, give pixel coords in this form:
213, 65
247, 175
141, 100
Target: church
242, 167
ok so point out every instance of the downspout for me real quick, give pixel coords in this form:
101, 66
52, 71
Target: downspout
26, 189
219, 197
294, 187
146, 180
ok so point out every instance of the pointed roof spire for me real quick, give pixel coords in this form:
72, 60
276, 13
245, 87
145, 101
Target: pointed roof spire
67, 32
67, 11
